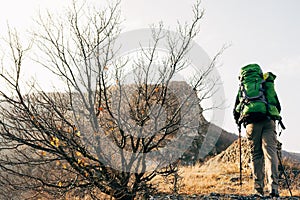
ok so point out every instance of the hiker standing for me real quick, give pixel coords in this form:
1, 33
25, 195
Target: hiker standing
257, 107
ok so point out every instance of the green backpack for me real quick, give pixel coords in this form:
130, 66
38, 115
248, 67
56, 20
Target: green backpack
257, 96
273, 105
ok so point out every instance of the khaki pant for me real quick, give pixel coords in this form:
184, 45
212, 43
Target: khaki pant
263, 142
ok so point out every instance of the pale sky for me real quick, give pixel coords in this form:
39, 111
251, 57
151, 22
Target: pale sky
264, 32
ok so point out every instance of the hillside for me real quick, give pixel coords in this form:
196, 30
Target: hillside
218, 177
291, 155
226, 139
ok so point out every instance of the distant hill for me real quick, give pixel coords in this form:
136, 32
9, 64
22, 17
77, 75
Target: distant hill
291, 155
226, 139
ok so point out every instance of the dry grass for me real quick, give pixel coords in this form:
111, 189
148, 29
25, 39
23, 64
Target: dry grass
203, 180
223, 179
214, 177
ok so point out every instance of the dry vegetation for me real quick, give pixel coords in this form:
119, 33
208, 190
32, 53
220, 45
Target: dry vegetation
220, 178
212, 176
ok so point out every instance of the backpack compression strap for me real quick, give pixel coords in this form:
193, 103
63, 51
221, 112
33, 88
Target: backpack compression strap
246, 99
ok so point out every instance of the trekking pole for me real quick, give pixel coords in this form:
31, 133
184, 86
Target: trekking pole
240, 148
285, 175
283, 170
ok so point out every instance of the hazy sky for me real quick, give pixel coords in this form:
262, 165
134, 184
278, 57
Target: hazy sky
265, 32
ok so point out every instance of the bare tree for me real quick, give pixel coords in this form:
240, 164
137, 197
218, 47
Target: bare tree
109, 131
